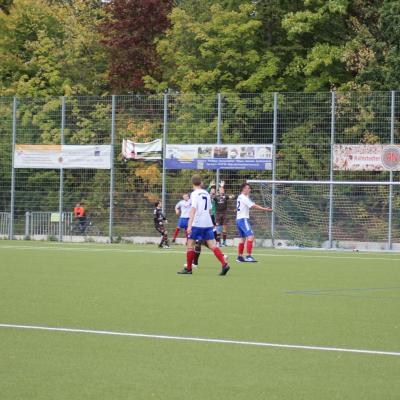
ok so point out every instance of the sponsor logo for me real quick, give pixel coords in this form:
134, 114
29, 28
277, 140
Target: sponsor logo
391, 157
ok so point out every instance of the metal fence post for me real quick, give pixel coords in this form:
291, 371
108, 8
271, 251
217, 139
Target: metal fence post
14, 140
330, 227
274, 144
390, 210
164, 147
112, 172
219, 122
61, 195
27, 214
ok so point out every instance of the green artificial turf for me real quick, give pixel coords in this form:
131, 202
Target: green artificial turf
345, 300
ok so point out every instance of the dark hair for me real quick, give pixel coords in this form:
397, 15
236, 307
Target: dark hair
156, 204
196, 180
243, 185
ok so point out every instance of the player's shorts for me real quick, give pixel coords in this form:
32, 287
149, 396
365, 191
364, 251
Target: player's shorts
183, 223
244, 228
160, 229
221, 218
201, 233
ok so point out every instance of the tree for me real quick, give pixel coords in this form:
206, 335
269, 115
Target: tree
217, 54
320, 32
374, 53
129, 33
51, 50
5, 6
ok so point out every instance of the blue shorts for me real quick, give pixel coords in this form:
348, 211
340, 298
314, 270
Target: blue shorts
183, 223
244, 228
201, 233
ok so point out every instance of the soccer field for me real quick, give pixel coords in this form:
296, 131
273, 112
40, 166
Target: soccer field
296, 325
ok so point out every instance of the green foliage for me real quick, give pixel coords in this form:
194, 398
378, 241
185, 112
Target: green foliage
5, 6
51, 50
53, 47
217, 54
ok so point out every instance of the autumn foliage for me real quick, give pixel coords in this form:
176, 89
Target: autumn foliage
129, 34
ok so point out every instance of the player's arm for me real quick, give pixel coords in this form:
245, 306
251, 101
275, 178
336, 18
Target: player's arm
177, 209
222, 187
211, 184
257, 207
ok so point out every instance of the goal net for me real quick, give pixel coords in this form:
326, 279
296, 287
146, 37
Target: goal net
310, 214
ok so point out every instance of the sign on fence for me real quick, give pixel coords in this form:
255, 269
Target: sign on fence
49, 156
141, 151
218, 156
366, 157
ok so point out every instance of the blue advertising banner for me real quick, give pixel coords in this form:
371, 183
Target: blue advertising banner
218, 156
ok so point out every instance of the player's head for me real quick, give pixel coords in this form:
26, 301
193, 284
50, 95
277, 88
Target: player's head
78, 204
212, 189
196, 181
185, 196
157, 204
245, 188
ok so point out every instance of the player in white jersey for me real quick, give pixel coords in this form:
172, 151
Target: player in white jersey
200, 227
182, 209
243, 205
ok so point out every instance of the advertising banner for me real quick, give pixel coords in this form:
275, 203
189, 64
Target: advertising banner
366, 157
62, 156
219, 156
142, 151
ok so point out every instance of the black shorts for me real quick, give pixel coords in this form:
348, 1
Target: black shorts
160, 228
221, 218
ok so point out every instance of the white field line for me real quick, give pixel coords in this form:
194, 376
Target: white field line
203, 340
148, 251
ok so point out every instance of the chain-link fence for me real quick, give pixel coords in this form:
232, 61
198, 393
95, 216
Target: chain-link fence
313, 204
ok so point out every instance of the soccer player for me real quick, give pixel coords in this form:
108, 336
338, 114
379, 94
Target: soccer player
212, 190
200, 227
159, 224
182, 209
243, 206
221, 204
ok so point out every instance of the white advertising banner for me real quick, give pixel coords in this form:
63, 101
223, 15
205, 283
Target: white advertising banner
142, 151
48, 156
366, 157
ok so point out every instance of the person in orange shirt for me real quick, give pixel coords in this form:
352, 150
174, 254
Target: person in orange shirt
80, 215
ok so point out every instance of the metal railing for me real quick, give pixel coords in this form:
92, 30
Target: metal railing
5, 227
48, 223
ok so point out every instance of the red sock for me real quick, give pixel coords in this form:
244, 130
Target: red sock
241, 249
219, 255
176, 233
189, 259
249, 247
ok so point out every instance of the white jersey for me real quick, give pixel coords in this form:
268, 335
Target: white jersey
201, 201
184, 206
243, 205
